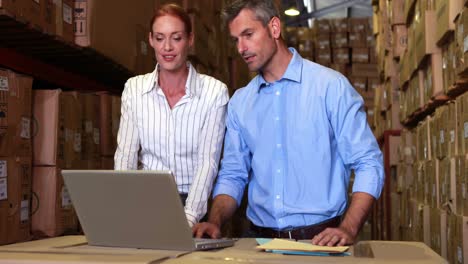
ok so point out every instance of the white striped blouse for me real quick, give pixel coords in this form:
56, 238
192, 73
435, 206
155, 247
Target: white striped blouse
186, 139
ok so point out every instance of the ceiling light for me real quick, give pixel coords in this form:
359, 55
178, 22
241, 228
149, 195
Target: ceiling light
292, 11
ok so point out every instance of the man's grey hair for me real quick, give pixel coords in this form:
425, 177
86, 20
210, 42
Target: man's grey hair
264, 10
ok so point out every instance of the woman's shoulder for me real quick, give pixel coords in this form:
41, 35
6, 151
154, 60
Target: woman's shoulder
140, 82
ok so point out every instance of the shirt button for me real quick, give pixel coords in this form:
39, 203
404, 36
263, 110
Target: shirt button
278, 170
278, 93
277, 118
278, 145
277, 196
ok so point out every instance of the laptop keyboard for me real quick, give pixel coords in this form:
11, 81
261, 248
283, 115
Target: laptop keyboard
208, 240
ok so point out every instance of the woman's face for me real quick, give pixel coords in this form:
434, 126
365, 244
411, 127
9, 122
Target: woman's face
171, 43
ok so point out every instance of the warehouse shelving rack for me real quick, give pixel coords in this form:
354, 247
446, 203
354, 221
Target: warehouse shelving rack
49, 58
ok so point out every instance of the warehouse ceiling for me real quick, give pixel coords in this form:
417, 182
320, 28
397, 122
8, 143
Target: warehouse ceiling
311, 9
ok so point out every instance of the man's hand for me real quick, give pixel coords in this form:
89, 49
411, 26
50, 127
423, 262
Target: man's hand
333, 237
206, 228
346, 233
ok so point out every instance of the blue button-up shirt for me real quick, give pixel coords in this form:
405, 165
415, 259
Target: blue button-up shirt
295, 141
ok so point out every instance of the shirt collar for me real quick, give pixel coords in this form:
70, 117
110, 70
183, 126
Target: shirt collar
293, 71
192, 87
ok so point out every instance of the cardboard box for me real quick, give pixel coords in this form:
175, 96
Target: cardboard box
444, 133
54, 213
425, 38
360, 55
446, 13
358, 39
323, 56
92, 18
342, 68
462, 105
31, 11
339, 40
91, 129
459, 184
398, 12
15, 195
322, 26
11, 7
107, 163
461, 239
359, 24
48, 16
433, 86
322, 41
339, 25
58, 139
444, 182
64, 20
341, 55
460, 35
108, 144
15, 114
400, 40
436, 232
364, 70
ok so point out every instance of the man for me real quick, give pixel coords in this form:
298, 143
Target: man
294, 134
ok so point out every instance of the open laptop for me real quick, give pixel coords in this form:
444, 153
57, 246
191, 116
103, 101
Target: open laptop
133, 209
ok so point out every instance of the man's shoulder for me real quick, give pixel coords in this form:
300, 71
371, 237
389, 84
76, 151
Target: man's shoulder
324, 72
245, 92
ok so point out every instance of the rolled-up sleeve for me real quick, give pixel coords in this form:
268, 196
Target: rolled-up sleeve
356, 143
236, 162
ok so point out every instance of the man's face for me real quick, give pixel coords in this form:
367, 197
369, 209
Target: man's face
170, 42
253, 40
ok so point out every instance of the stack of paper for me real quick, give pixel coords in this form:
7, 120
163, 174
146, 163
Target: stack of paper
283, 246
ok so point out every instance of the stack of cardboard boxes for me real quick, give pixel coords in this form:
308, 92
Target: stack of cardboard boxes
432, 171
15, 156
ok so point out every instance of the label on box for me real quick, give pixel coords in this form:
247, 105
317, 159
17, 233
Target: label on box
143, 48
407, 151
67, 14
88, 127
452, 136
77, 142
442, 137
4, 83
24, 212
466, 130
3, 189
68, 134
25, 128
66, 200
3, 168
459, 254
96, 136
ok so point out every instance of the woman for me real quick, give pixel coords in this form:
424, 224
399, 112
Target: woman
173, 118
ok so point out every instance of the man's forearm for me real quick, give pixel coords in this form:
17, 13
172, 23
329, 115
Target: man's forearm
356, 215
223, 208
